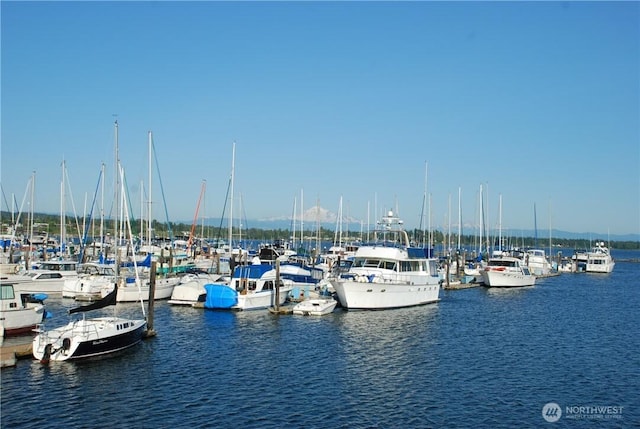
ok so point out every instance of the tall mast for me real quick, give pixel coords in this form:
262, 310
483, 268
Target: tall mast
459, 215
102, 167
481, 226
62, 210
500, 224
116, 193
535, 225
233, 163
150, 136
31, 211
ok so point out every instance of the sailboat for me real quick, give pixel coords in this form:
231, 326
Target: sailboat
88, 337
92, 337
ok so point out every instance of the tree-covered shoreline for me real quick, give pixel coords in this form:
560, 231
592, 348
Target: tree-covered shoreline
51, 225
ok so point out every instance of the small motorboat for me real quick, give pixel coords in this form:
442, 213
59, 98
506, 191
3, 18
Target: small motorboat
315, 307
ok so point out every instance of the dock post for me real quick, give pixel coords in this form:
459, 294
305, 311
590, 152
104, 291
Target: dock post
277, 304
151, 303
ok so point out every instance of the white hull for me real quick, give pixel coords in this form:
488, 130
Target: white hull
261, 300
50, 282
507, 279
600, 268
87, 289
191, 289
130, 293
87, 338
18, 314
372, 296
315, 307
50, 287
187, 293
21, 320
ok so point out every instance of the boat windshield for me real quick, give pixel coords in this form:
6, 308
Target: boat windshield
374, 263
503, 263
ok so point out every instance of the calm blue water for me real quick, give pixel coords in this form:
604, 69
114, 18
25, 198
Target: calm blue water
478, 358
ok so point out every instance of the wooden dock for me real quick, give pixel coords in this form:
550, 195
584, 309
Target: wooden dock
551, 274
459, 285
10, 353
283, 309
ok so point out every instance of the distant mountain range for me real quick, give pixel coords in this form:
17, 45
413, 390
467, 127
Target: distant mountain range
329, 220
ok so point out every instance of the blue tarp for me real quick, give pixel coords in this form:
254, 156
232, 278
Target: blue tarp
220, 296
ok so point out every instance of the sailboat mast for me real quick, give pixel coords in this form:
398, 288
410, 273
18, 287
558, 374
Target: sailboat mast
535, 225
293, 221
62, 210
424, 205
149, 199
102, 167
116, 199
481, 225
142, 240
459, 216
233, 163
31, 211
500, 224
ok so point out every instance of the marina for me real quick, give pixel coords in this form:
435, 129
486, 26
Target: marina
479, 357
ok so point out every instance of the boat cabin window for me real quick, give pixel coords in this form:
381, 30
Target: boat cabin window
411, 266
503, 263
243, 283
122, 326
371, 263
6, 292
433, 268
268, 285
388, 265
51, 276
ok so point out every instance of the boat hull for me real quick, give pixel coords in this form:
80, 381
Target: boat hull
315, 307
163, 290
88, 338
507, 279
20, 312
600, 267
225, 297
21, 320
355, 295
51, 287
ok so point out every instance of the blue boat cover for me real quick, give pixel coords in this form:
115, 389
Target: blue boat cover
220, 296
419, 252
251, 271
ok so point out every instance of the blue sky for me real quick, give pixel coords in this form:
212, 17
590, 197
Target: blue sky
538, 102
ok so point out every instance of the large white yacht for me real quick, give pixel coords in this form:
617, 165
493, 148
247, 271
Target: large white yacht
388, 273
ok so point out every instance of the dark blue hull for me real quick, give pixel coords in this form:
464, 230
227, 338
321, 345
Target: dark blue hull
113, 344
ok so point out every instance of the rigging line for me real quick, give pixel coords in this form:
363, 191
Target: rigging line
75, 214
86, 230
224, 209
4, 198
127, 197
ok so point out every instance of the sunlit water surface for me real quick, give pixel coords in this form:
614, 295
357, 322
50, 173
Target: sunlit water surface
478, 358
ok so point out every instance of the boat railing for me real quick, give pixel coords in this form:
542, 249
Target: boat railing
378, 277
